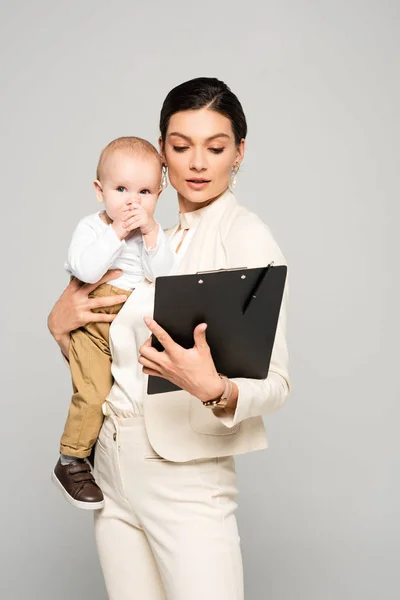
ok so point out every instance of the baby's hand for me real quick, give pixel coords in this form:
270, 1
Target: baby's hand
132, 216
119, 221
138, 218
141, 219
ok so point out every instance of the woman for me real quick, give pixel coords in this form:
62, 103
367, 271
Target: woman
165, 462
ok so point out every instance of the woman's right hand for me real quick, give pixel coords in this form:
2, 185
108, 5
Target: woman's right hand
73, 309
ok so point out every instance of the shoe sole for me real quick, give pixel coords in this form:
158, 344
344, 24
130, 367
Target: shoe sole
71, 500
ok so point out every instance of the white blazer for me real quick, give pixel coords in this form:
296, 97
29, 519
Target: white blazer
179, 427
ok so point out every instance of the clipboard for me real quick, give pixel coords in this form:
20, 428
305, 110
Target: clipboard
241, 308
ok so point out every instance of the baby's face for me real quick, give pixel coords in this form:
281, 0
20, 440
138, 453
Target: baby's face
130, 177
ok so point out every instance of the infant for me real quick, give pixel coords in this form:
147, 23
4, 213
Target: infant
123, 236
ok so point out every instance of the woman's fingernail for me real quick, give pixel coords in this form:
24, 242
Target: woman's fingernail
147, 320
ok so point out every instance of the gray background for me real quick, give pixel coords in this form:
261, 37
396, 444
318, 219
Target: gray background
319, 81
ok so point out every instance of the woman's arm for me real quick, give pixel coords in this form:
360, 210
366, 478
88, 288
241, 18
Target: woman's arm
73, 309
194, 370
249, 243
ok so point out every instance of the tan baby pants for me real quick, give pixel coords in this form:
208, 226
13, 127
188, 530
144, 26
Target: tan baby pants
90, 364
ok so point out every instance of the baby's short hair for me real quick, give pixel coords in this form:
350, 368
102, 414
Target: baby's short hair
136, 145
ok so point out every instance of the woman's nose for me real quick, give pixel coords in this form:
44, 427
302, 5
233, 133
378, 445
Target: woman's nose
198, 161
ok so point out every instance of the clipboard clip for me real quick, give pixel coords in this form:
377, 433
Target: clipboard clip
253, 293
219, 270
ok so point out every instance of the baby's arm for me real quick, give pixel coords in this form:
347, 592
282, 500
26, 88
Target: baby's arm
91, 253
160, 259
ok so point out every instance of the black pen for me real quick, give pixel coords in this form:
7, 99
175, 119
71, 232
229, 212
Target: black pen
253, 293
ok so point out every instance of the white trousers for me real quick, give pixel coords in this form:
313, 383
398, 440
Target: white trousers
168, 530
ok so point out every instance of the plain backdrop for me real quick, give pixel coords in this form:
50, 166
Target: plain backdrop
319, 82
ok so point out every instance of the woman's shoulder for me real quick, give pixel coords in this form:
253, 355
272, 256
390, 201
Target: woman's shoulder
247, 237
243, 217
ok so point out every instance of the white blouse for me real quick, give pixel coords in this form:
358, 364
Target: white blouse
130, 383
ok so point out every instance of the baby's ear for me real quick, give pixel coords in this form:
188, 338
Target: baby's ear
98, 190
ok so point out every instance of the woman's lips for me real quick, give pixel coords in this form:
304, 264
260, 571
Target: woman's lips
197, 184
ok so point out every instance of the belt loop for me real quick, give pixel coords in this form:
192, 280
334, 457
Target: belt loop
108, 412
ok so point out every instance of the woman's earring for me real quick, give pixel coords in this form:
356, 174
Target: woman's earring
164, 179
234, 172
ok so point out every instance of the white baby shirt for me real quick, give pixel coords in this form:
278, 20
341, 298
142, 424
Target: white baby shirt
95, 248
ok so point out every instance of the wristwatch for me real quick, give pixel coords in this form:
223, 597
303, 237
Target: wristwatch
222, 401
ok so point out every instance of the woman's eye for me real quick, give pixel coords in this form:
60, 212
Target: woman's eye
217, 150
180, 148
121, 188
145, 192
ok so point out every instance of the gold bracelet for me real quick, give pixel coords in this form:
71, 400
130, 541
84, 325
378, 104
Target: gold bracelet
222, 401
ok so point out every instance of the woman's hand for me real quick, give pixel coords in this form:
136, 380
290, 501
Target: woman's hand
192, 370
73, 309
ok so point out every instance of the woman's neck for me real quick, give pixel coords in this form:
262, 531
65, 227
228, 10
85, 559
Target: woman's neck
186, 205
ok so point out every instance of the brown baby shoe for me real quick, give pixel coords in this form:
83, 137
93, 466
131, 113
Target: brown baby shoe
78, 485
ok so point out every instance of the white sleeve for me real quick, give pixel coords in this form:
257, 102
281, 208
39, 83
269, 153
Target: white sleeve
91, 253
158, 261
259, 397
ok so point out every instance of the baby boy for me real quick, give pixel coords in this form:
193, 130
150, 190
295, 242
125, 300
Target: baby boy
123, 236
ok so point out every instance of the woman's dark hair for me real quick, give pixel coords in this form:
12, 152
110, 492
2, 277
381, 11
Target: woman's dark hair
204, 92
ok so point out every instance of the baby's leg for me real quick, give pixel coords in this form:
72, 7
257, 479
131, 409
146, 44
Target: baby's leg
90, 364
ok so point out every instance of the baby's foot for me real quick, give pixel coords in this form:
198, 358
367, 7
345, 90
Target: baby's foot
78, 485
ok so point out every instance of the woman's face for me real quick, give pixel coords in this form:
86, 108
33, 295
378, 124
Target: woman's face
200, 151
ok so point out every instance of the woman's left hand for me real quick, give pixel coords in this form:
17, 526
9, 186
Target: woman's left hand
192, 370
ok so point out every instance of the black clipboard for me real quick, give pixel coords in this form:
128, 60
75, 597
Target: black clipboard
241, 308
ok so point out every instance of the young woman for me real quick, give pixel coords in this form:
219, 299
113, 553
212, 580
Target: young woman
165, 462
